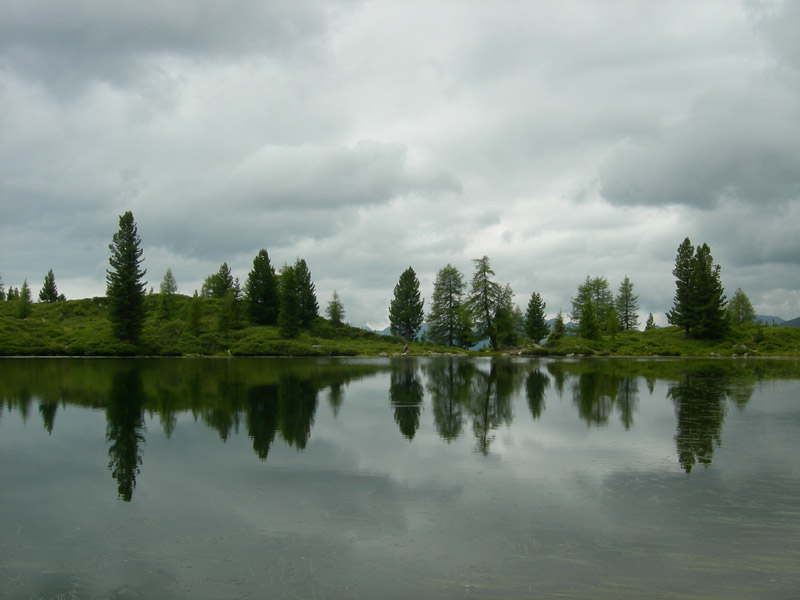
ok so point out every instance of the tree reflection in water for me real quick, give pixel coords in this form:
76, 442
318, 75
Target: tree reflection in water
124, 429
405, 394
700, 407
281, 397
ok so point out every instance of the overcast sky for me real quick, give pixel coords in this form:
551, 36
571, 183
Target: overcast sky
560, 139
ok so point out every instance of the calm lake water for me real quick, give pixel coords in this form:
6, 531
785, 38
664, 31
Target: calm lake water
399, 478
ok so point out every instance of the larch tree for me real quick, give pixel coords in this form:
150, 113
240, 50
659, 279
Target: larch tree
125, 289
335, 310
740, 310
483, 301
596, 290
536, 327
445, 317
627, 306
406, 308
49, 291
167, 291
261, 290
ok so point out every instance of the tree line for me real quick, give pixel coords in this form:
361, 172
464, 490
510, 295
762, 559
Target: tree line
460, 315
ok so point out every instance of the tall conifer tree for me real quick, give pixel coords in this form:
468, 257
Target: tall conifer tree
536, 327
405, 310
445, 317
125, 289
307, 296
49, 291
627, 306
261, 289
484, 300
24, 301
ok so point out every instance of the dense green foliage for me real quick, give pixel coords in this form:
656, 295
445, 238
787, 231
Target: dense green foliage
627, 306
484, 300
261, 290
536, 327
699, 304
335, 310
49, 291
24, 301
290, 317
405, 310
82, 328
596, 291
306, 294
218, 284
739, 309
449, 324
125, 288
167, 289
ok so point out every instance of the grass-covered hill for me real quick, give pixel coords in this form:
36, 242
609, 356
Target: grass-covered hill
750, 339
82, 328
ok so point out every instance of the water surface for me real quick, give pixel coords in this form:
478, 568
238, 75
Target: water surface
358, 478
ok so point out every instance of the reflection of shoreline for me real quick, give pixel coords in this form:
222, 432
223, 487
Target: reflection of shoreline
279, 398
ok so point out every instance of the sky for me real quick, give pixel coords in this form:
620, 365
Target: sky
560, 139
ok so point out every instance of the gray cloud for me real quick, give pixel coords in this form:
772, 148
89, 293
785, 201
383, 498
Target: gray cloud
561, 141
67, 46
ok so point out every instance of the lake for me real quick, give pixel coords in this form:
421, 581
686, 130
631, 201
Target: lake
399, 478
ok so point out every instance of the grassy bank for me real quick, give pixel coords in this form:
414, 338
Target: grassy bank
81, 328
747, 340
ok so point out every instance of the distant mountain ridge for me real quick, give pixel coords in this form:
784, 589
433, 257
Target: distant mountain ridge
764, 319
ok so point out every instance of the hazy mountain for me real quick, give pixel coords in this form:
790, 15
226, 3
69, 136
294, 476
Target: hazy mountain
766, 320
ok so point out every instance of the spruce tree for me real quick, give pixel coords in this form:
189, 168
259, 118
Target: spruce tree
193, 313
699, 305
289, 318
651, 323
261, 290
49, 291
506, 318
536, 327
588, 327
218, 284
627, 306
2, 290
710, 299
445, 317
559, 328
683, 313
405, 310
125, 289
307, 296
24, 301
